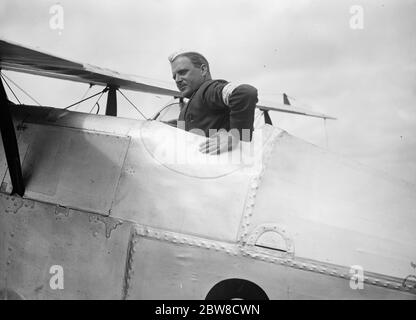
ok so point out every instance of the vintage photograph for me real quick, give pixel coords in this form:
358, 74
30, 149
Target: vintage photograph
208, 150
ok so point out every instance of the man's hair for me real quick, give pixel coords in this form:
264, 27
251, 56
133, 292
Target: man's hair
196, 58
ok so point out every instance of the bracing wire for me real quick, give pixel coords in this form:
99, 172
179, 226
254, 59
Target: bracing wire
96, 103
22, 89
7, 84
98, 107
132, 104
94, 95
85, 94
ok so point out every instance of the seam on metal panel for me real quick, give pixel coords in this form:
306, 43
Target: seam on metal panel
128, 272
119, 177
254, 186
81, 129
110, 223
178, 238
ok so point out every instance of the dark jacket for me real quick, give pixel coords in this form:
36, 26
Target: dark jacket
206, 109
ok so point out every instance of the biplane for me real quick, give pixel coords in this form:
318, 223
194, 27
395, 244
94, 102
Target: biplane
101, 207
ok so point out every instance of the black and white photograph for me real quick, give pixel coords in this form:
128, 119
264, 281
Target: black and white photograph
179, 151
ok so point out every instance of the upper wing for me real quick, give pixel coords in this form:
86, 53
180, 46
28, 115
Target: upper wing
15, 57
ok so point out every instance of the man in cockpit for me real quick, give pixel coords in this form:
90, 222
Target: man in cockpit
221, 110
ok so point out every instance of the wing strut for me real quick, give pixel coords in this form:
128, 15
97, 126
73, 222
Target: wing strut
267, 118
11, 150
286, 99
111, 109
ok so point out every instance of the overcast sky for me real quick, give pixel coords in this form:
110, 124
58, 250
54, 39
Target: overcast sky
365, 77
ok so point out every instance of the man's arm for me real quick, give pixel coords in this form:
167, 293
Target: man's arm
241, 99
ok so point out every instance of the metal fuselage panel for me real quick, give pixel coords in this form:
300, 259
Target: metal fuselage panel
193, 194
35, 237
107, 202
72, 167
338, 211
107, 258
175, 271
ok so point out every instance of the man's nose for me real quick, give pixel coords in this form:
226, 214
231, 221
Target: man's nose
178, 78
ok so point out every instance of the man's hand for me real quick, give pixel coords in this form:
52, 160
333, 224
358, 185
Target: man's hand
220, 142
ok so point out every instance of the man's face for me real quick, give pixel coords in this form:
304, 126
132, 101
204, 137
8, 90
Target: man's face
188, 78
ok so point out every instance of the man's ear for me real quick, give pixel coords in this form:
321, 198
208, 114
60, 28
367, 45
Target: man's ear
204, 70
